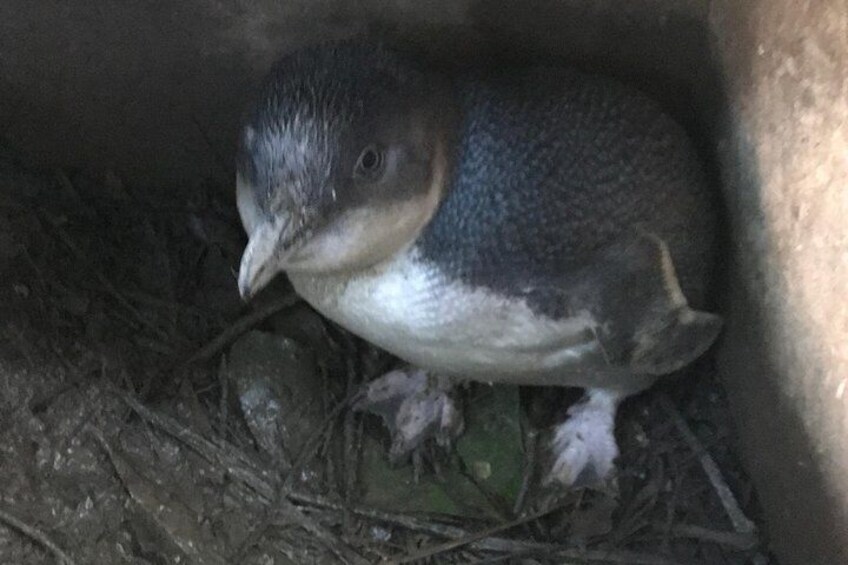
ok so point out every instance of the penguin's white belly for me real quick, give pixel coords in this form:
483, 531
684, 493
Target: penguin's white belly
407, 307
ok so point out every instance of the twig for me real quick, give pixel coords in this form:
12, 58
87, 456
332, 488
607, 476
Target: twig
735, 540
36, 535
610, 557
350, 463
242, 325
530, 448
224, 405
740, 522
493, 544
402, 520
239, 554
313, 443
472, 537
500, 558
167, 304
222, 163
178, 521
69, 188
241, 468
671, 511
106, 283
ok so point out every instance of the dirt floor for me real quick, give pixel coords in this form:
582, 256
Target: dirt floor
147, 416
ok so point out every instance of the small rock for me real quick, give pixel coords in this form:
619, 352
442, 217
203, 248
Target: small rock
279, 390
308, 328
380, 534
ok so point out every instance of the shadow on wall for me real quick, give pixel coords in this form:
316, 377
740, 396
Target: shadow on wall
155, 93
775, 358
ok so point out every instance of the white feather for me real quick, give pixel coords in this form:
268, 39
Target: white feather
408, 307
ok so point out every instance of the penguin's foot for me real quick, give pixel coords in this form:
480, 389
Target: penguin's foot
415, 407
583, 447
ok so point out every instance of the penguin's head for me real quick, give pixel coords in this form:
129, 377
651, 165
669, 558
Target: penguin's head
342, 161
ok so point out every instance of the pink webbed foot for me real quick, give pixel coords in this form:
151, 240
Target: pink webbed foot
415, 407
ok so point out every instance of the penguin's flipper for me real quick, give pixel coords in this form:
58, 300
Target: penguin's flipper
667, 347
649, 325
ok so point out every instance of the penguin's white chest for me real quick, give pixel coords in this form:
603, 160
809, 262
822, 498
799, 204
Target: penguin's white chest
409, 308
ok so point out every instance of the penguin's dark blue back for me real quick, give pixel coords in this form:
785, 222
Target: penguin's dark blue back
552, 166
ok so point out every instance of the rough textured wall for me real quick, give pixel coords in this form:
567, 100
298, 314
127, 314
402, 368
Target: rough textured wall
154, 89
785, 355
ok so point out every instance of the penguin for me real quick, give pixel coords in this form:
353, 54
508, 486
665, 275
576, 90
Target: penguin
536, 226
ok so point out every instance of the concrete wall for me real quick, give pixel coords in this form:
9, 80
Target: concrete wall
153, 90
785, 354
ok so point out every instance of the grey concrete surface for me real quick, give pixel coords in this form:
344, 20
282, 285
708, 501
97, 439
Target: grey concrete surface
785, 354
153, 90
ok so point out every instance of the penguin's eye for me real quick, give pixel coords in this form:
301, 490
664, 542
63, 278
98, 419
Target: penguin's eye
370, 162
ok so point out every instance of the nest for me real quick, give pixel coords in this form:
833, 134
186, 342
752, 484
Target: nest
148, 416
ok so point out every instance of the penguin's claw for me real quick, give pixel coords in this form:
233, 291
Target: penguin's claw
415, 407
584, 447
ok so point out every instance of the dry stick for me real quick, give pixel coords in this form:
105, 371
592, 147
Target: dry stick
735, 540
402, 520
247, 472
740, 522
238, 555
36, 535
179, 522
313, 444
671, 510
241, 468
224, 404
351, 462
609, 557
493, 544
597, 557
167, 304
472, 537
242, 325
220, 161
309, 450
104, 282
527, 473
65, 184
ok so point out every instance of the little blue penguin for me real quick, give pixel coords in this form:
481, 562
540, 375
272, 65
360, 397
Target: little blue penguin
534, 227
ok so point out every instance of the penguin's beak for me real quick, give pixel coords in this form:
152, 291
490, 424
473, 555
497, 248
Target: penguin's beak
265, 254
